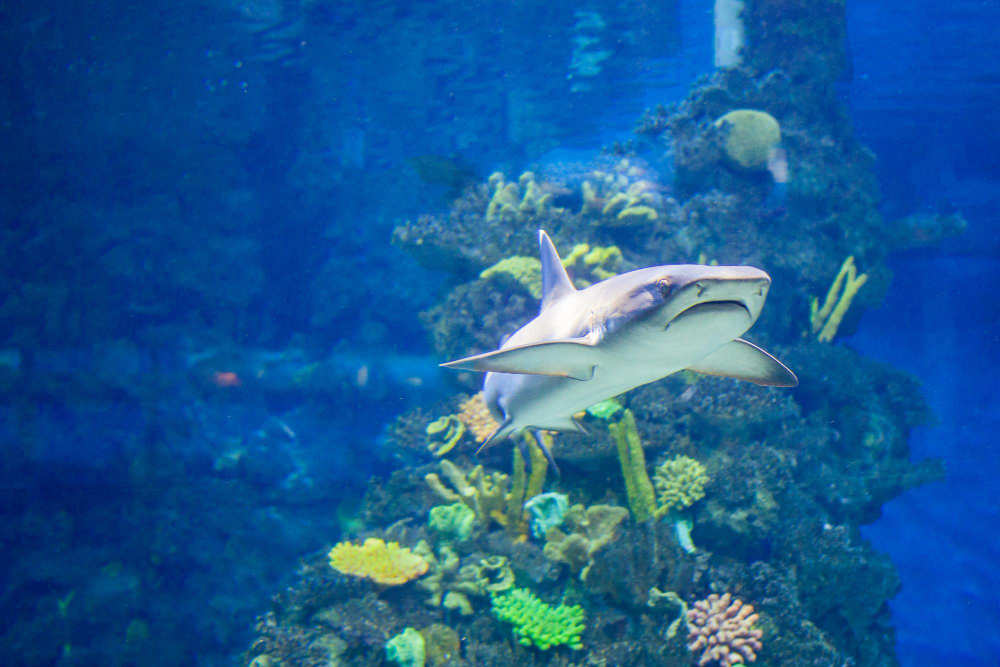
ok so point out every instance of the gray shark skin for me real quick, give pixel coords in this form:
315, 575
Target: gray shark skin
589, 345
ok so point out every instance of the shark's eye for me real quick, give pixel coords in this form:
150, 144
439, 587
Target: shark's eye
664, 286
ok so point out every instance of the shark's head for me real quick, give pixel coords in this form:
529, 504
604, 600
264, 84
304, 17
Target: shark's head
666, 295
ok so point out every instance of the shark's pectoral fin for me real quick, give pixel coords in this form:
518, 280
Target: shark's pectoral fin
571, 358
745, 361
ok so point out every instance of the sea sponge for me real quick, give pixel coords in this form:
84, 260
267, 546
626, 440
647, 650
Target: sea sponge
680, 482
383, 563
752, 136
537, 623
722, 628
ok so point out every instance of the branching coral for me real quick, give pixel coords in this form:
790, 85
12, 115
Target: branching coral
537, 623
622, 196
592, 264
383, 563
722, 628
826, 320
484, 493
515, 201
680, 482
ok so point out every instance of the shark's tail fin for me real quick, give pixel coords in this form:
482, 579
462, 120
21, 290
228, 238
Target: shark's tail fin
498, 435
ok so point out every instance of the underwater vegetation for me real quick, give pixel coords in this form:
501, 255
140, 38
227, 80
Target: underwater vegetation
701, 520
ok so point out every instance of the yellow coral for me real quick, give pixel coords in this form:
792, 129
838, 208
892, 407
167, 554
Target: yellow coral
680, 482
752, 136
826, 320
474, 414
525, 270
508, 202
444, 433
589, 265
623, 196
638, 487
383, 563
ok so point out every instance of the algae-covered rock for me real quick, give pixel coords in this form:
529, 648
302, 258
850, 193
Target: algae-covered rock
442, 645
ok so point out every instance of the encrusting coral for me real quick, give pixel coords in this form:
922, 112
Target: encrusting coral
752, 136
826, 320
680, 482
587, 530
476, 416
383, 563
526, 271
722, 628
537, 623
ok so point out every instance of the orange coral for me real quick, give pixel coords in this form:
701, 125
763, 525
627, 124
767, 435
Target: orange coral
723, 629
477, 417
383, 563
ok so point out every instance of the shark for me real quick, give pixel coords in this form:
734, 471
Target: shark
591, 344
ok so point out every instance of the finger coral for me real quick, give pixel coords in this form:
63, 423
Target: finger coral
680, 482
537, 623
722, 628
384, 563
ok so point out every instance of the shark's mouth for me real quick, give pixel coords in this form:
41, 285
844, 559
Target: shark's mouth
714, 307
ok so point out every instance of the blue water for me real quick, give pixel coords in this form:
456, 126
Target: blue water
205, 333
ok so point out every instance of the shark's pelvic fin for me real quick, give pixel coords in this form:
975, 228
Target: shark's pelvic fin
745, 361
570, 358
498, 435
555, 281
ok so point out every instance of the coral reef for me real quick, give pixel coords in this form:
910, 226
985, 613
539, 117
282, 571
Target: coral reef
407, 649
384, 563
537, 623
444, 433
723, 630
771, 484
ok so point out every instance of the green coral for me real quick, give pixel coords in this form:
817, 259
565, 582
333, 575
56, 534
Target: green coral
443, 434
605, 410
527, 271
625, 195
537, 623
752, 137
407, 649
516, 201
592, 264
638, 487
453, 522
680, 482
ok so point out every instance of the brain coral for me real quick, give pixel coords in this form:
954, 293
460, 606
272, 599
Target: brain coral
383, 563
752, 136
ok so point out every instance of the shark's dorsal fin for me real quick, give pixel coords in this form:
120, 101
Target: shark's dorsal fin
745, 361
555, 281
